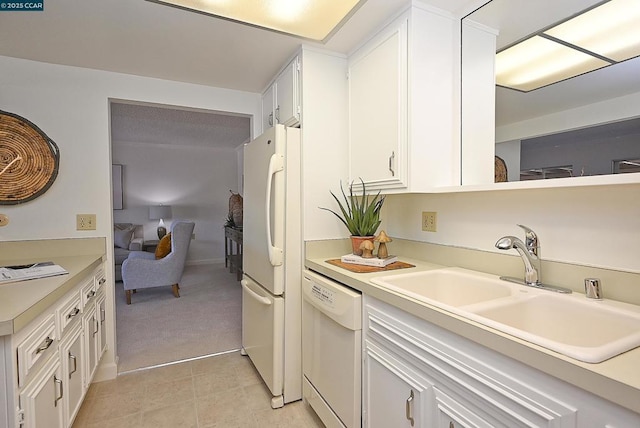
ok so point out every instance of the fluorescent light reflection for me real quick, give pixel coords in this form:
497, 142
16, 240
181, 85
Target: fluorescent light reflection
611, 32
538, 62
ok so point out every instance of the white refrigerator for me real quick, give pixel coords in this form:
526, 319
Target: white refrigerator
272, 261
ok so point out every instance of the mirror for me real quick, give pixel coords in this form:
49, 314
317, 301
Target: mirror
587, 125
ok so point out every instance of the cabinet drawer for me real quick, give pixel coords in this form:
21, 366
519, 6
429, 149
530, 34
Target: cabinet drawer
36, 347
69, 311
100, 279
88, 291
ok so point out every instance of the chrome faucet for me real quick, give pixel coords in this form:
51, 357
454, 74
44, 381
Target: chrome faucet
530, 253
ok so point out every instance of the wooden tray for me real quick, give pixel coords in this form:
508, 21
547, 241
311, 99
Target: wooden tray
369, 269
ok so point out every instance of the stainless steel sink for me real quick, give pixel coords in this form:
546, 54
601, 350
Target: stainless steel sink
570, 324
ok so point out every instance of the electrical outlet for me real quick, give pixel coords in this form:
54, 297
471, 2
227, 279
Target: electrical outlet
85, 222
4, 220
429, 221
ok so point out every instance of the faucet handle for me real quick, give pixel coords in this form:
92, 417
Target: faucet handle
531, 240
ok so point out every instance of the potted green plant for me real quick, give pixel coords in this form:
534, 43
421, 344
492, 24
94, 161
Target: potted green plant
360, 214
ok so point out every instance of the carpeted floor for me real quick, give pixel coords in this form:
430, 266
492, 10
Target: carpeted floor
159, 328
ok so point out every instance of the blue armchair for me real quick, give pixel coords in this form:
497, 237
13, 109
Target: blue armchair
142, 270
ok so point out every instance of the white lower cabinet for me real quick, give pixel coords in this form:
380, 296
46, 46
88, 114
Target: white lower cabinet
91, 338
416, 374
41, 399
48, 365
395, 394
101, 313
73, 363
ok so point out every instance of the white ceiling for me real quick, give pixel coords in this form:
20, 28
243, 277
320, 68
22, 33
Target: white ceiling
152, 124
148, 39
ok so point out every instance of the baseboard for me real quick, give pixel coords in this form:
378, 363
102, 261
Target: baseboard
106, 371
204, 262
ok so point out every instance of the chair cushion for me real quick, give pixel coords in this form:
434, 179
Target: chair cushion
122, 237
120, 254
164, 246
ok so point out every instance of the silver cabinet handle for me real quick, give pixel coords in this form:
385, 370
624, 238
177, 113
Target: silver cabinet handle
103, 315
72, 314
278, 114
97, 326
102, 281
58, 398
75, 364
91, 294
47, 342
270, 119
392, 158
409, 408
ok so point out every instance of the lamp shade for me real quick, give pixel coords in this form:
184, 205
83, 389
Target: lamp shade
157, 212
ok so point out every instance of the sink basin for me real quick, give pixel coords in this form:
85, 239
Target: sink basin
570, 324
590, 331
453, 287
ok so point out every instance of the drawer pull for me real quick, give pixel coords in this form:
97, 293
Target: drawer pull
97, 327
47, 342
58, 398
72, 314
409, 408
102, 281
103, 315
91, 294
75, 364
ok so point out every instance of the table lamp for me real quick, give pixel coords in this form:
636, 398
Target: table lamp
160, 212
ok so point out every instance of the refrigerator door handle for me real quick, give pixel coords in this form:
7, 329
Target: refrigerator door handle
276, 164
255, 295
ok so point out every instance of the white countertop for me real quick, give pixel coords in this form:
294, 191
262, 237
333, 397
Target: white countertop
23, 301
616, 379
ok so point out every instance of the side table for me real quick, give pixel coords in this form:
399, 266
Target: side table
150, 245
233, 250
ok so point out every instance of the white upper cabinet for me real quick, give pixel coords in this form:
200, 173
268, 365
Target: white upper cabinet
401, 109
281, 101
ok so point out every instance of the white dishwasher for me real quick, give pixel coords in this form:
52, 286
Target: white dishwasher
331, 350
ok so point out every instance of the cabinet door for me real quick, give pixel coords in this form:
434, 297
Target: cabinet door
42, 398
452, 413
287, 109
72, 359
378, 109
394, 395
102, 316
268, 107
91, 335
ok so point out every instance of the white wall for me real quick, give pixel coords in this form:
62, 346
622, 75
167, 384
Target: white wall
595, 226
195, 181
616, 109
71, 105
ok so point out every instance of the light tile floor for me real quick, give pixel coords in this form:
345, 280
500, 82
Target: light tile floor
219, 391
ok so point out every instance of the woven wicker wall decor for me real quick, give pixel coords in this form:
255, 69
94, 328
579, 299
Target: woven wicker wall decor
29, 160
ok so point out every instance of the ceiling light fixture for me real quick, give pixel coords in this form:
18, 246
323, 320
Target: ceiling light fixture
596, 38
309, 19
